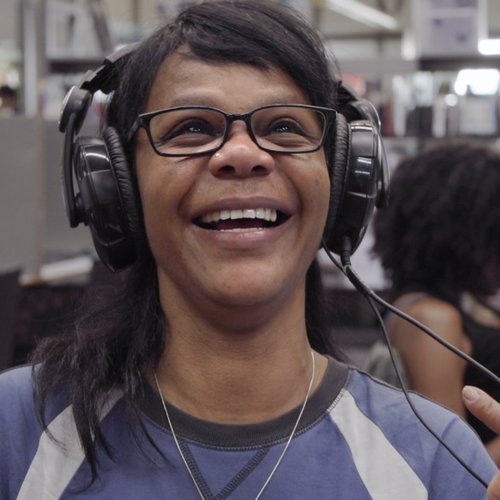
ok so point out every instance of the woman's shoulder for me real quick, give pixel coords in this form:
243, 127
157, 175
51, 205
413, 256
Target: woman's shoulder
17, 393
17, 396
419, 433
390, 407
434, 312
421, 302
20, 428
404, 423
16, 384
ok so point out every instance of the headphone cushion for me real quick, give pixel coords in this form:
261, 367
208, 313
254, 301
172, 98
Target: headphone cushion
123, 176
339, 162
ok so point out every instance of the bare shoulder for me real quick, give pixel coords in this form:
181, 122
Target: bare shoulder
437, 314
430, 310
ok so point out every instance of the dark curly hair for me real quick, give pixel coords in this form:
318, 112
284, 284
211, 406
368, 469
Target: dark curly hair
441, 231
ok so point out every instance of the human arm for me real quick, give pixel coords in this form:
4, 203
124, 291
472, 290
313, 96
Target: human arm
486, 409
433, 370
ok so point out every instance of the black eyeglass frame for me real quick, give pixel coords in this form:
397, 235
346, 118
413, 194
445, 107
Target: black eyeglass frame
143, 120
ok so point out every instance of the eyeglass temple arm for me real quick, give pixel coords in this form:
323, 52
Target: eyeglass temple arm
133, 129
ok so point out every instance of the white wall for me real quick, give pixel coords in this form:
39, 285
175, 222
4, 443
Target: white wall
21, 193
8, 19
33, 224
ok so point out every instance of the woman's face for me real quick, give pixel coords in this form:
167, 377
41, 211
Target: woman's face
236, 262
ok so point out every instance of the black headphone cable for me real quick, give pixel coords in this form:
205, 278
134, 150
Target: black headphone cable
371, 297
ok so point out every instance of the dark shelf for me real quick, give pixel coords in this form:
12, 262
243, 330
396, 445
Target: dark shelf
72, 65
458, 63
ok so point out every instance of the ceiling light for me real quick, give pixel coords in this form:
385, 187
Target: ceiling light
477, 81
489, 47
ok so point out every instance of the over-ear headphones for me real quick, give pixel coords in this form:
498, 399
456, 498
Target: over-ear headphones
358, 170
106, 199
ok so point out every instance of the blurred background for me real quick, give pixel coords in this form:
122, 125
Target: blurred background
431, 67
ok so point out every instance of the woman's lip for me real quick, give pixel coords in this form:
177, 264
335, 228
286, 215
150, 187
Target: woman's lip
247, 239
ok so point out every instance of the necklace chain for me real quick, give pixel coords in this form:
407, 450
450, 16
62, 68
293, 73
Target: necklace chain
289, 440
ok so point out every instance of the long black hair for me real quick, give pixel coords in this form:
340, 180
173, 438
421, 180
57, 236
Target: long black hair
113, 348
441, 230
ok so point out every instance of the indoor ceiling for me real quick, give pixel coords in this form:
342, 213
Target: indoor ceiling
359, 18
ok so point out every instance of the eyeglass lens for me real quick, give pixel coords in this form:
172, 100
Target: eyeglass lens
197, 130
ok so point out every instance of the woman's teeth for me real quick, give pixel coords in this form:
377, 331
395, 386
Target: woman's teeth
265, 214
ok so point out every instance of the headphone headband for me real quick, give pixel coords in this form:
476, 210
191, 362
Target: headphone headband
104, 78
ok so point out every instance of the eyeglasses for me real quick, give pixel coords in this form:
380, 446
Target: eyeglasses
196, 130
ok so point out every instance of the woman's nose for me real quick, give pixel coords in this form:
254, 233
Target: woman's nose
240, 156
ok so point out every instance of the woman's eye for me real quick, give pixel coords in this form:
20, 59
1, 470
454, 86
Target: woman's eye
192, 127
285, 127
188, 131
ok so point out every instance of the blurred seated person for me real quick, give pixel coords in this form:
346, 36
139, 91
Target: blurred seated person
439, 243
8, 101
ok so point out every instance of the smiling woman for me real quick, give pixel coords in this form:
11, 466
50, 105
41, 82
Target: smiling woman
228, 156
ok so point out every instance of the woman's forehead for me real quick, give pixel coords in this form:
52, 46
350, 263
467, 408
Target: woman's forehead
184, 79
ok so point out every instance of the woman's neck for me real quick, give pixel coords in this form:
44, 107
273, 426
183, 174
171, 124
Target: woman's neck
240, 363
238, 377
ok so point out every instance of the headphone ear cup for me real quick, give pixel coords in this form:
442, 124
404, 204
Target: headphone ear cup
338, 163
100, 203
359, 173
361, 188
127, 190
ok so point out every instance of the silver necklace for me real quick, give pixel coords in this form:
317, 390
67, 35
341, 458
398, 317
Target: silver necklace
289, 440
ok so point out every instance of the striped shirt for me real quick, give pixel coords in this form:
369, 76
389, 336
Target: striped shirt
357, 439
